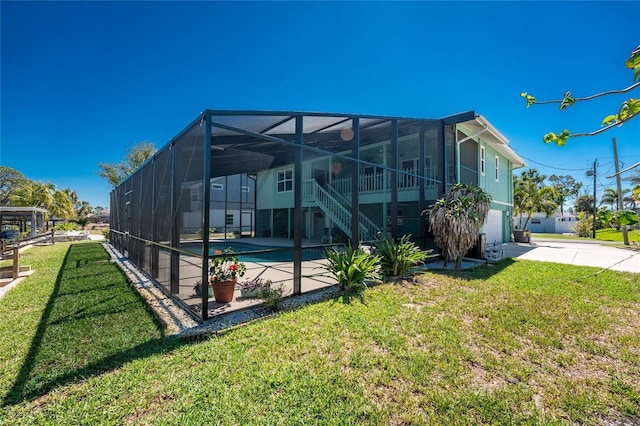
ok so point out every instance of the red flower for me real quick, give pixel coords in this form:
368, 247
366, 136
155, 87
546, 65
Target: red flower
233, 267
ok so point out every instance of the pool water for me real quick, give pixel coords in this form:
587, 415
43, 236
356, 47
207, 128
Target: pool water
264, 253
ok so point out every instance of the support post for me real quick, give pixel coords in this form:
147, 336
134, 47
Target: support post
206, 202
394, 179
297, 212
16, 261
355, 190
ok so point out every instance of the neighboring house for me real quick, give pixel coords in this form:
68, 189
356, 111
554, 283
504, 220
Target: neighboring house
300, 177
554, 224
232, 205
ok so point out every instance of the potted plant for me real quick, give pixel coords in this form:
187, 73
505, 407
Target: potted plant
197, 289
224, 270
253, 287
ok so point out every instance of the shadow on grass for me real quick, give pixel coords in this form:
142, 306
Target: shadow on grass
481, 272
92, 323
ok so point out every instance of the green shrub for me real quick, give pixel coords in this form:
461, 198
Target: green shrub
584, 225
106, 232
397, 258
353, 268
65, 226
272, 296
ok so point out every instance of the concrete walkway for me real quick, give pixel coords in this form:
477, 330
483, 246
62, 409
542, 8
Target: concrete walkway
584, 253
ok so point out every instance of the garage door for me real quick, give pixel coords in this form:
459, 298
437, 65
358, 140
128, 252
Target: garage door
493, 226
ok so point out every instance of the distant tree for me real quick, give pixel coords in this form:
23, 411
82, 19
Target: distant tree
566, 187
530, 195
44, 195
583, 203
62, 206
629, 201
115, 173
82, 221
629, 109
83, 209
10, 180
610, 196
33, 194
634, 179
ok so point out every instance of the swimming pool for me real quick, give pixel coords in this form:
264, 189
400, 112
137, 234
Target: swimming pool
256, 253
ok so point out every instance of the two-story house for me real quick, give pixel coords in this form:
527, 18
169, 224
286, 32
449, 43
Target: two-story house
293, 180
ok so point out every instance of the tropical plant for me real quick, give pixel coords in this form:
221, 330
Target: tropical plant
604, 217
456, 219
224, 266
352, 267
626, 111
584, 225
397, 258
530, 195
115, 173
626, 217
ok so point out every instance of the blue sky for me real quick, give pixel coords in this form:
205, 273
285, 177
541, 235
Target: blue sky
82, 82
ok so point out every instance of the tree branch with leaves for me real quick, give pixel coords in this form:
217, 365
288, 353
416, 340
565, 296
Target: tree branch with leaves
627, 110
115, 173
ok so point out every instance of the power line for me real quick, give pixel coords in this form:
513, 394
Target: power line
556, 168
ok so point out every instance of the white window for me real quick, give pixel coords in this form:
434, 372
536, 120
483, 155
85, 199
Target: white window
285, 180
482, 160
497, 169
195, 193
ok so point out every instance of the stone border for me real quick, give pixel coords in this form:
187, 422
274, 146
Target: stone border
179, 322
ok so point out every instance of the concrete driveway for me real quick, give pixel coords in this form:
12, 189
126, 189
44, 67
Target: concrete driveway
584, 253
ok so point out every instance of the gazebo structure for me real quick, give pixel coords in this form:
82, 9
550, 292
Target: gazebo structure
279, 187
26, 219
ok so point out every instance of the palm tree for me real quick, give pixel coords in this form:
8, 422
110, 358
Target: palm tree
62, 206
530, 196
33, 194
456, 219
610, 196
44, 195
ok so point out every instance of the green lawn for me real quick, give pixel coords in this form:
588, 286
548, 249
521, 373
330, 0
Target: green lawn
606, 234
611, 234
517, 342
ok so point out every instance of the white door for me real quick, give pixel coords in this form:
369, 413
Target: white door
493, 227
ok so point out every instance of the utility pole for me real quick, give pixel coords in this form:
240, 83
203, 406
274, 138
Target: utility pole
595, 208
625, 235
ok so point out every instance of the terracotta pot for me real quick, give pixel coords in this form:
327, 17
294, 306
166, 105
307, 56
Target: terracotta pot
223, 290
